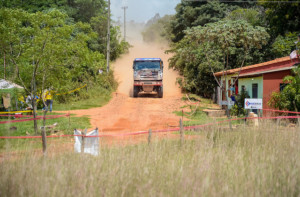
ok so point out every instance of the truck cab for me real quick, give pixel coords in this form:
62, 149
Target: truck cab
148, 76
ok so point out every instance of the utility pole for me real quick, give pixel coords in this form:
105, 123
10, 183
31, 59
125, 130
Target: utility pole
108, 37
124, 7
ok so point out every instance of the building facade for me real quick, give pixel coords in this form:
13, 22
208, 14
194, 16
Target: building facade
259, 80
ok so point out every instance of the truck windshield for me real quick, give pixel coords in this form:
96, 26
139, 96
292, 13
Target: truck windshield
147, 65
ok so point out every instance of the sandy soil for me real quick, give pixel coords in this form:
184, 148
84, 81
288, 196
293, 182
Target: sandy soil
124, 113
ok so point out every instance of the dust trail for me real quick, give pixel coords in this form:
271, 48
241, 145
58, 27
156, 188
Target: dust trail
126, 114
124, 72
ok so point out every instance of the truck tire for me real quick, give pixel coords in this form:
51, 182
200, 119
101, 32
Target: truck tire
135, 91
160, 92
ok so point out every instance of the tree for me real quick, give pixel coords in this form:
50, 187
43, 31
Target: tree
192, 13
251, 15
93, 12
283, 45
282, 17
158, 31
216, 46
289, 97
48, 52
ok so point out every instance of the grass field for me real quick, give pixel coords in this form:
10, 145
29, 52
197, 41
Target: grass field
98, 97
244, 162
65, 125
247, 161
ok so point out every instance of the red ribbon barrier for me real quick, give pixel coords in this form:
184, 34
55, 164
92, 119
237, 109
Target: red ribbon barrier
38, 118
274, 110
145, 132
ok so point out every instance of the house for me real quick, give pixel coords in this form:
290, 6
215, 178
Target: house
259, 80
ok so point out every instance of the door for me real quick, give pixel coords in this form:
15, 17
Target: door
254, 90
224, 92
254, 93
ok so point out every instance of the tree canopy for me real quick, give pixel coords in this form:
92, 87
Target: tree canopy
222, 45
203, 31
60, 43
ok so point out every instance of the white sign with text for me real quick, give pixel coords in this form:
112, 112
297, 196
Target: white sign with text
253, 103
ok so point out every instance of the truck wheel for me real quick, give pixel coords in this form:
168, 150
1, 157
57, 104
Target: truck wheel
160, 92
135, 91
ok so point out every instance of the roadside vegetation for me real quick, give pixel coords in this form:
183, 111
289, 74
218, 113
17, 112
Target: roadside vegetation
210, 36
58, 126
59, 45
253, 162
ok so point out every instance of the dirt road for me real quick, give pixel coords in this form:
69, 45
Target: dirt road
124, 113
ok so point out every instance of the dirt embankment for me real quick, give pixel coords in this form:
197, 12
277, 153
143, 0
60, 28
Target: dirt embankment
124, 113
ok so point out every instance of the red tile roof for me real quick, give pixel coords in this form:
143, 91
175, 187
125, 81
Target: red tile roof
236, 70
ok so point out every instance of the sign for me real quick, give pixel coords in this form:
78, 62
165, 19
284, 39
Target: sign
253, 103
231, 103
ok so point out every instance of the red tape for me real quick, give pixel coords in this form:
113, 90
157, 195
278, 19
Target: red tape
274, 110
145, 132
38, 118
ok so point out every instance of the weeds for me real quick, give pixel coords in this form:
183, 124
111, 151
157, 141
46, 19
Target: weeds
245, 162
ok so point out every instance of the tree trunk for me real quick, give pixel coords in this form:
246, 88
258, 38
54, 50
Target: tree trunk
33, 92
44, 138
4, 63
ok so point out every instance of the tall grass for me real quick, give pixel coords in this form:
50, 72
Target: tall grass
244, 162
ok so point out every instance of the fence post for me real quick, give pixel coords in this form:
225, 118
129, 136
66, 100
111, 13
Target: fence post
69, 120
181, 131
82, 140
44, 140
278, 123
149, 136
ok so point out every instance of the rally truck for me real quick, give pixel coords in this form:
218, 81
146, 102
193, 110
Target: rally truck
148, 76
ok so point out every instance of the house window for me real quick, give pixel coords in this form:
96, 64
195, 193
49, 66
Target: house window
282, 86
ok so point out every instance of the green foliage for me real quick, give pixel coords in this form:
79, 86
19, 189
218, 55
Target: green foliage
279, 20
117, 44
158, 31
282, 17
252, 16
222, 45
239, 107
283, 45
93, 12
289, 97
79, 10
190, 14
57, 53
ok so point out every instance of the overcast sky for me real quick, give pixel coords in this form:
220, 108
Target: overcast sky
142, 10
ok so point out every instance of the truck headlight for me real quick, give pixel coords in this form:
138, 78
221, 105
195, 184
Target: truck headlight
136, 76
160, 74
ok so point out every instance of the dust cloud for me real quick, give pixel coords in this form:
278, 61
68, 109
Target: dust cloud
126, 114
123, 66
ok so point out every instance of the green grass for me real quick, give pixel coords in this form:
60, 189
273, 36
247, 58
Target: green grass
64, 126
253, 162
198, 116
97, 98
196, 98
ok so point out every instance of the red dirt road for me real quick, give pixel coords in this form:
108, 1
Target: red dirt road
124, 113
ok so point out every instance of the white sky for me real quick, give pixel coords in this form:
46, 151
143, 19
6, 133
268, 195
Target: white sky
142, 10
